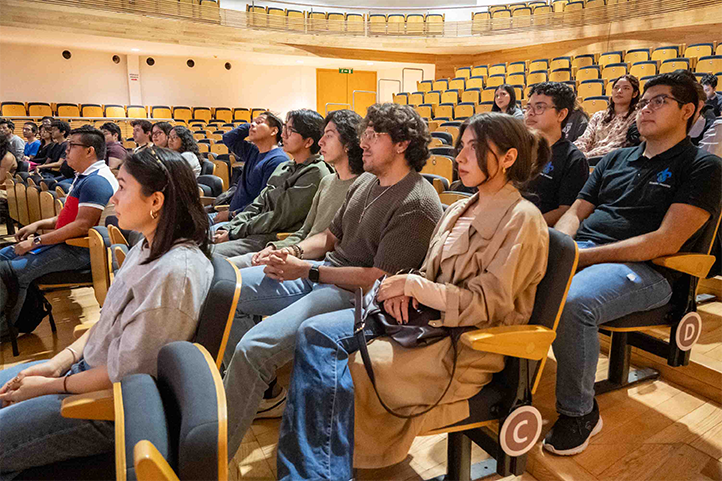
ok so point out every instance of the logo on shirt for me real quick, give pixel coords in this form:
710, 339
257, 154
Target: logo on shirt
547, 172
663, 177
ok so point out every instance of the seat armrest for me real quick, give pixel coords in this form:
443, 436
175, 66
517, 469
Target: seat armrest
207, 200
697, 265
526, 342
81, 329
221, 208
150, 464
282, 235
96, 406
79, 242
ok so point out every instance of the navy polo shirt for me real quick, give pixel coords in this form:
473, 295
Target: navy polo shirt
562, 178
632, 193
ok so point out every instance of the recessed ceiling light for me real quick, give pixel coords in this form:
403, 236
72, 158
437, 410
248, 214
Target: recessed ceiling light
135, 50
369, 63
299, 61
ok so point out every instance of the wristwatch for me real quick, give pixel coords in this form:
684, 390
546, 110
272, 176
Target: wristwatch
314, 274
36, 240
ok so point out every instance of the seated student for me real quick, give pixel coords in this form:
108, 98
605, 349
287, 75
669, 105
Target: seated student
8, 163
576, 123
32, 144
703, 119
340, 147
607, 129
33, 257
181, 140
284, 204
555, 189
256, 145
712, 140
383, 226
159, 134
49, 167
155, 299
485, 260
639, 203
46, 140
46, 121
505, 101
141, 134
17, 145
115, 153
714, 98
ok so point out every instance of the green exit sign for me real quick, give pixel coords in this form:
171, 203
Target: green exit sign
345, 70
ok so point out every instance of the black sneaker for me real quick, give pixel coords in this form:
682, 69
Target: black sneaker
570, 435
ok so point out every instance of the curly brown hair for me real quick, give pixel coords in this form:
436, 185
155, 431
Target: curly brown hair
403, 124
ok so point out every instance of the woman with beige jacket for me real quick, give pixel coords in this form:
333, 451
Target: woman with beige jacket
485, 260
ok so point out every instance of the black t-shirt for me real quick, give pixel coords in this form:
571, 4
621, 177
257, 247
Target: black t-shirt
632, 193
562, 178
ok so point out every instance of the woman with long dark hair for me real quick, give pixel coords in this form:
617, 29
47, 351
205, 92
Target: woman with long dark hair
155, 299
181, 140
607, 129
484, 262
505, 101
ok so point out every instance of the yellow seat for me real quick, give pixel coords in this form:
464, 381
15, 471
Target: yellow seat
536, 77
414, 24
160, 112
336, 21
584, 60
538, 64
68, 110
665, 53
355, 22
480, 21
609, 58
445, 111
496, 80
480, 71
497, 69
560, 62
424, 110
643, 69
13, 109
521, 17
710, 64
518, 91
505, 13
91, 110
462, 73
464, 110
588, 73
257, 16
317, 20
424, 85
487, 95
484, 107
560, 75
674, 64
377, 23
440, 165
516, 68
203, 148
471, 96
202, 113
574, 7
256, 112
614, 71
543, 10
183, 113
559, 5
401, 98
114, 111
241, 114
434, 23
39, 109
395, 23
592, 105
450, 97
516, 79
433, 97
699, 50
590, 88
224, 114
219, 148
137, 112
475, 83
296, 20
457, 83
637, 55
441, 84
595, 3
416, 98
496, 8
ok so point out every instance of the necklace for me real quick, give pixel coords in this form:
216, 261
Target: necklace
367, 204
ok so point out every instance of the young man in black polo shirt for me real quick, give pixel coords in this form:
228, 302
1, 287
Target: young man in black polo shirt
639, 203
556, 188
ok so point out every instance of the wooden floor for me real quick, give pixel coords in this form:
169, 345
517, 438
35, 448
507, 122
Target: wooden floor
655, 431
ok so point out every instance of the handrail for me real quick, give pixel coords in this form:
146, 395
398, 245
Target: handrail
334, 103
403, 75
353, 96
378, 85
297, 5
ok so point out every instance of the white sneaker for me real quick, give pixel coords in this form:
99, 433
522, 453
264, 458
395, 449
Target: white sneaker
272, 408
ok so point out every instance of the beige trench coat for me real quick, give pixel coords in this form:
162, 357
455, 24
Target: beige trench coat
491, 274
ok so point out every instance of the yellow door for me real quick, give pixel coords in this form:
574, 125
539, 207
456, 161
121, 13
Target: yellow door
335, 91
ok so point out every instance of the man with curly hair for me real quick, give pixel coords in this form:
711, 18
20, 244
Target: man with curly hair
384, 226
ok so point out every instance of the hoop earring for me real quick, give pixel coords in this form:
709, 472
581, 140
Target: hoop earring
153, 215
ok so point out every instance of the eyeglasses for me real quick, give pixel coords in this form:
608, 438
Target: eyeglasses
287, 131
370, 137
656, 102
72, 144
157, 133
537, 109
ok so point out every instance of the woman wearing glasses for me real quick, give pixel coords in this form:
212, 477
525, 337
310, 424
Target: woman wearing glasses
484, 262
155, 299
607, 129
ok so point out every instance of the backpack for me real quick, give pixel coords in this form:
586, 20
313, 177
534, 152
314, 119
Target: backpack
35, 308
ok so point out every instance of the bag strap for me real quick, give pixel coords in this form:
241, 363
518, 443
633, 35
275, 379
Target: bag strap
359, 326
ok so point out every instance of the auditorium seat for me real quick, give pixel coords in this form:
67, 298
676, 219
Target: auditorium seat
137, 112
595, 3
588, 73
257, 16
480, 71
614, 70
591, 88
296, 19
494, 8
610, 58
516, 78
674, 64
440, 85
516, 67
377, 23
584, 60
464, 110
68, 110
574, 7
699, 50
202, 113
39, 109
416, 98
335, 21
441, 165
424, 110
559, 5
496, 80
13, 109
539, 64
183, 113
445, 111
317, 20
243, 114
475, 82
543, 10
160, 112
434, 23
480, 21
463, 72
665, 53
484, 107
401, 98
415, 24
472, 96
433, 97
223, 114
487, 95
256, 112
450, 97
501, 13
395, 23
560, 75
709, 64
536, 77
425, 85
497, 69
518, 91
561, 62
592, 105
114, 111
637, 55
457, 83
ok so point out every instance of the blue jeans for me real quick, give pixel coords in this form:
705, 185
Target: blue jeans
599, 293
317, 432
254, 352
33, 433
28, 267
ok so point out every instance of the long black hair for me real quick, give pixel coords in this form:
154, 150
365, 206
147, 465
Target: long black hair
512, 107
182, 218
609, 116
188, 143
347, 122
507, 132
